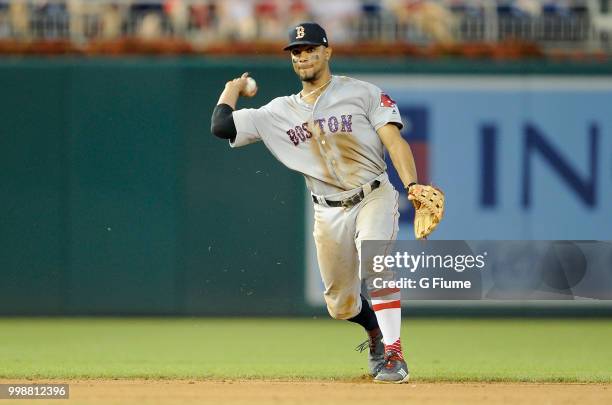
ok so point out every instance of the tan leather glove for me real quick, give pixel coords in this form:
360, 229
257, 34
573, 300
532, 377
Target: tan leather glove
428, 202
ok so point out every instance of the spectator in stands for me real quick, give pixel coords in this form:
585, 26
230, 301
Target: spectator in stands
297, 11
204, 21
112, 16
76, 16
274, 16
148, 18
19, 19
237, 20
178, 15
268, 16
339, 17
528, 8
432, 18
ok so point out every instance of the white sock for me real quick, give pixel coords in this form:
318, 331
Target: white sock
388, 314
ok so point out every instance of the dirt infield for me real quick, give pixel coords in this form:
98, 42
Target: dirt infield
171, 392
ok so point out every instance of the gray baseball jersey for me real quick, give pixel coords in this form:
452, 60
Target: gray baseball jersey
333, 143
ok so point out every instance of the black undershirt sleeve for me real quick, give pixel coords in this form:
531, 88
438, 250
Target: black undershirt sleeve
222, 122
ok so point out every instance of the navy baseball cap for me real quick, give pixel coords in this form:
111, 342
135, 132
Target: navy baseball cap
307, 33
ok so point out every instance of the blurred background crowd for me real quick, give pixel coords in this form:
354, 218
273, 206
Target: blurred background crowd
567, 24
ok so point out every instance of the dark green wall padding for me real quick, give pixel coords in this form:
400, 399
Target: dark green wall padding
115, 198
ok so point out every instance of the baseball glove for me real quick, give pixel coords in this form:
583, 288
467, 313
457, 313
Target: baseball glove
428, 202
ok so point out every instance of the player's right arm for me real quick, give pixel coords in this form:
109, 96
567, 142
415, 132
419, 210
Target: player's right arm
222, 121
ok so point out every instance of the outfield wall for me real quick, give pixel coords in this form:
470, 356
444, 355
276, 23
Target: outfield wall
116, 199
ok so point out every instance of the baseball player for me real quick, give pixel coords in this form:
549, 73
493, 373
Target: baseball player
334, 132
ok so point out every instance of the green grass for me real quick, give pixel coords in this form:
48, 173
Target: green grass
437, 350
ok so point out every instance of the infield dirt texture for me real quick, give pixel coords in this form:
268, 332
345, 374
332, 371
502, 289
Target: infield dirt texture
98, 392
257, 361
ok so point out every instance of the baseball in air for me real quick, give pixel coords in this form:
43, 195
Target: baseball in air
251, 86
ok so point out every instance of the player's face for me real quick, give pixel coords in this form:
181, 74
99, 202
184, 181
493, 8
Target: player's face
309, 61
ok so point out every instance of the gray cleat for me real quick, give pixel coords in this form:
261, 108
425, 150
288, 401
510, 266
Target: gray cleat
376, 355
394, 371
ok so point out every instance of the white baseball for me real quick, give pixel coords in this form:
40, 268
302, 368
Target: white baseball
251, 86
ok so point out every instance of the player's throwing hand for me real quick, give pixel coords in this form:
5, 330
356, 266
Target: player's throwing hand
245, 85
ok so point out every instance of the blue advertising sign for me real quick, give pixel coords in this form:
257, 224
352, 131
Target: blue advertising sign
518, 158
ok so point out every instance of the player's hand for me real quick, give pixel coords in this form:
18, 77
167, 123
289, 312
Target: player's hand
240, 84
415, 190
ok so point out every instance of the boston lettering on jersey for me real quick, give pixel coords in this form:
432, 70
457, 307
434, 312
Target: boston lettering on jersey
333, 124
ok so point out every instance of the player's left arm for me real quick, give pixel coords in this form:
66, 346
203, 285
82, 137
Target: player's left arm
400, 152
